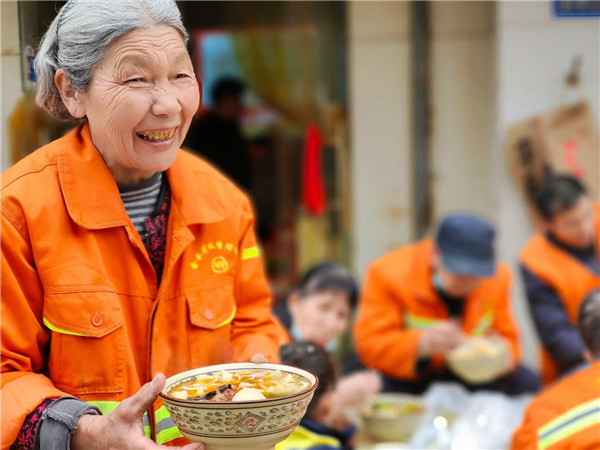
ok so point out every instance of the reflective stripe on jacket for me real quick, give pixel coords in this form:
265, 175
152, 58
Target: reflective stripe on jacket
399, 301
82, 312
565, 416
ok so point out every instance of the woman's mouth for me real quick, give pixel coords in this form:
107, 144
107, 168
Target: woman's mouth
156, 136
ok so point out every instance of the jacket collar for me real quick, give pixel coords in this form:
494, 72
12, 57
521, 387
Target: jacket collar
93, 200
422, 273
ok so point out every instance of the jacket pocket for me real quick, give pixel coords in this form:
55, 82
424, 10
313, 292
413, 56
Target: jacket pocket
211, 312
88, 338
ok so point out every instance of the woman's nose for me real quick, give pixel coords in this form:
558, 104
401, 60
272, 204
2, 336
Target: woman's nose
166, 102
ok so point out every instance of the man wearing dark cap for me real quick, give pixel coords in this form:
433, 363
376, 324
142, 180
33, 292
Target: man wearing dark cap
419, 302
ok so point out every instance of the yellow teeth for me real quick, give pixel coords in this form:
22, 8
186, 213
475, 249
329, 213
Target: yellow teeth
156, 135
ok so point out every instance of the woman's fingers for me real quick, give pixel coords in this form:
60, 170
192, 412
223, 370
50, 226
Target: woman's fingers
192, 446
132, 408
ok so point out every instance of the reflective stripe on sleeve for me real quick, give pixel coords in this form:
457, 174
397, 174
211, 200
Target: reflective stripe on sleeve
569, 423
105, 406
250, 252
166, 430
109, 406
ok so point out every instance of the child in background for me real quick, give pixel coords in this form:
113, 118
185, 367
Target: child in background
312, 433
319, 310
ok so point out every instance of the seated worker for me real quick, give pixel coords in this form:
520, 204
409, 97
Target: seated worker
319, 310
420, 301
567, 415
560, 266
313, 432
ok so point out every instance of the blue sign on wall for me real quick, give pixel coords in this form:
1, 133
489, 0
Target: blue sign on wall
576, 8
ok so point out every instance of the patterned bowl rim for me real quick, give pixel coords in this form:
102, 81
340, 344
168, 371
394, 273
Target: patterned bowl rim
182, 376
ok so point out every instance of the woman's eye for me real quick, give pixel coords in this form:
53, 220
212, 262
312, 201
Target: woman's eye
182, 75
135, 80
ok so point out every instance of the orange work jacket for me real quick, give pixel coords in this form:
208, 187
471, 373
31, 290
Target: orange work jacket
399, 301
566, 416
570, 279
82, 313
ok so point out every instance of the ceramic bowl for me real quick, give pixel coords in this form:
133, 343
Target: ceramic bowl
480, 359
248, 425
392, 417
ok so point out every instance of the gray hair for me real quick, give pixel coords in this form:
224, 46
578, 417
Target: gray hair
80, 36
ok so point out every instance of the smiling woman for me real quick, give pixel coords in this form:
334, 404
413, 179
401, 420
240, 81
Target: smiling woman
139, 103
123, 258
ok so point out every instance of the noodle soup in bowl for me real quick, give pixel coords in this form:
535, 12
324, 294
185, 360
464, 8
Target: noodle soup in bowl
241, 405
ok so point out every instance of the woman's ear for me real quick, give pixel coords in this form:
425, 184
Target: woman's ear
72, 98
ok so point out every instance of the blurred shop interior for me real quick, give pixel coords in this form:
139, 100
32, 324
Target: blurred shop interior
364, 122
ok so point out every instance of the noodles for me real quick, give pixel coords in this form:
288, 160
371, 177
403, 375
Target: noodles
239, 385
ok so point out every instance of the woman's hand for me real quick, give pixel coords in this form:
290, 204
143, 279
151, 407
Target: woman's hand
440, 339
358, 389
352, 391
123, 427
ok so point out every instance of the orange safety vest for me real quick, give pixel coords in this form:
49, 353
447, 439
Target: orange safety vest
82, 313
399, 301
566, 416
570, 279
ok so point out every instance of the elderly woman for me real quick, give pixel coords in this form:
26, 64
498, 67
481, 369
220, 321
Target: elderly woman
123, 258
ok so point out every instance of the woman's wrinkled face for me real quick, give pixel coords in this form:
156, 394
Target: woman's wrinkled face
321, 317
141, 100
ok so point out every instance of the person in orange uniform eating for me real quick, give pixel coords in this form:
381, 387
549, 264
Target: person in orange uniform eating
420, 301
560, 265
123, 258
567, 414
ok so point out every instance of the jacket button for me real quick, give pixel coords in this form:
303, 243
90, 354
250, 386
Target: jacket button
96, 319
208, 314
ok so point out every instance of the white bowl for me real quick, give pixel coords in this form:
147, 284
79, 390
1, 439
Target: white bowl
480, 359
392, 425
251, 425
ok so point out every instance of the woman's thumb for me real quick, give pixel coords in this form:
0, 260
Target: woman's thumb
135, 406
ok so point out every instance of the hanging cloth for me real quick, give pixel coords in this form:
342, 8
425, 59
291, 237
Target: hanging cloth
314, 200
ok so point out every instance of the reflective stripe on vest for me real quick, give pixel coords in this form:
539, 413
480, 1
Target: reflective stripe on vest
303, 438
166, 430
107, 407
569, 423
417, 322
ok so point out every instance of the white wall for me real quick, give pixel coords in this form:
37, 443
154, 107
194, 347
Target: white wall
10, 73
379, 123
462, 89
534, 54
